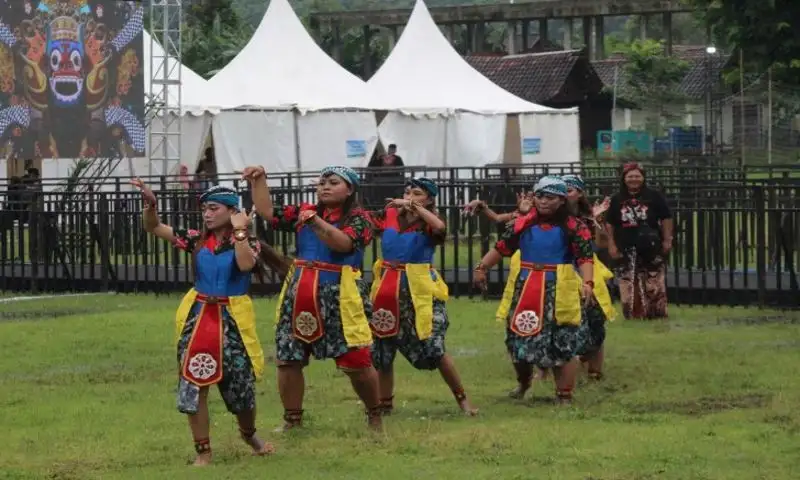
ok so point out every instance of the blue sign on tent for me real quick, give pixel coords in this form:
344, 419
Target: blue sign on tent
531, 146
356, 148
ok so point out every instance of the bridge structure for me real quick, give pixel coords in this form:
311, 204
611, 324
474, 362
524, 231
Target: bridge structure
471, 21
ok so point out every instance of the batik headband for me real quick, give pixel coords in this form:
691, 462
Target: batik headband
222, 195
574, 181
346, 173
424, 183
550, 185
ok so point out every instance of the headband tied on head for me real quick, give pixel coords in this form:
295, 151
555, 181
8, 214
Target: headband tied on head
222, 195
574, 181
550, 185
346, 173
425, 184
629, 167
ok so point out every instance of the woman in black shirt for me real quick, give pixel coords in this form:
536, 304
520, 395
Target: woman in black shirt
640, 228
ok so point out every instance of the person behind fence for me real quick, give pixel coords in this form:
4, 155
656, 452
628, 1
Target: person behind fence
596, 314
324, 305
215, 323
640, 228
408, 295
545, 327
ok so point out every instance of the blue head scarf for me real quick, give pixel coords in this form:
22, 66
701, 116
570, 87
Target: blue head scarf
574, 181
222, 195
425, 184
550, 185
346, 173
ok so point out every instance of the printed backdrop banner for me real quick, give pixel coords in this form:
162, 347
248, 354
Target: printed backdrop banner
71, 80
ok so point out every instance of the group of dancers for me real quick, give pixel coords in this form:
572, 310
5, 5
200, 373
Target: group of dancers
555, 304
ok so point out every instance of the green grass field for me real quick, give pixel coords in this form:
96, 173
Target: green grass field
87, 392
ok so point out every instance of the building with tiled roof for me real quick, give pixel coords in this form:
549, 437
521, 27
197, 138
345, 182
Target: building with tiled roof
559, 79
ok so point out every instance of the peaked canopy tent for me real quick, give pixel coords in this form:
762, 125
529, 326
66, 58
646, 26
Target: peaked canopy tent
445, 113
286, 104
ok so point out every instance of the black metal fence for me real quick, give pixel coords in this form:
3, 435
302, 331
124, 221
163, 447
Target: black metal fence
737, 230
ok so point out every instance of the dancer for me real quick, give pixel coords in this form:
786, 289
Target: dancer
217, 341
408, 295
603, 310
324, 307
524, 204
545, 327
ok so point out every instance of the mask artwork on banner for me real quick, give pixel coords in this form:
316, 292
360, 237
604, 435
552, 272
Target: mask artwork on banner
356, 149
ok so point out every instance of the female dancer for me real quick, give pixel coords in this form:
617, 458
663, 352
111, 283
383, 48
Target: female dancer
216, 332
324, 306
408, 295
545, 328
596, 314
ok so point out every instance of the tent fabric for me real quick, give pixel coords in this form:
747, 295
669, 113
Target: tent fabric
283, 68
194, 88
255, 137
443, 112
324, 135
559, 139
424, 75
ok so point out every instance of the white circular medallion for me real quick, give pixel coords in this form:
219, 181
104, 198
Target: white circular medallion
527, 321
306, 324
383, 320
202, 366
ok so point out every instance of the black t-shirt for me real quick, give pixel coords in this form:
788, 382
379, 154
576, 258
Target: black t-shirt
637, 216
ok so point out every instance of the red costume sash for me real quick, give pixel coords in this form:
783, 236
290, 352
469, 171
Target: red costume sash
385, 321
202, 362
528, 317
307, 322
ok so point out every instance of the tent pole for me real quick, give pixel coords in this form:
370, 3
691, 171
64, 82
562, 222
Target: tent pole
446, 139
297, 163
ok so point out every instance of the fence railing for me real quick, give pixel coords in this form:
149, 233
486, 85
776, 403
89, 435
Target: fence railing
736, 237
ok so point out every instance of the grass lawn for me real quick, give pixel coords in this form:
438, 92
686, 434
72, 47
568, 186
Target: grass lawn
86, 391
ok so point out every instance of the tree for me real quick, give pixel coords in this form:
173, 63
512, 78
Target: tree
651, 80
213, 34
767, 32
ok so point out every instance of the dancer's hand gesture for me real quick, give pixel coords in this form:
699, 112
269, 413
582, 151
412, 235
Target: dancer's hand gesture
524, 202
473, 207
599, 208
253, 173
240, 220
148, 196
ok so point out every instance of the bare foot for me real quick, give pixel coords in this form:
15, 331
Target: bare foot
287, 426
467, 408
202, 460
519, 391
375, 419
260, 447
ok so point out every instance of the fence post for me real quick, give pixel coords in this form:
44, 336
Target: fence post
761, 244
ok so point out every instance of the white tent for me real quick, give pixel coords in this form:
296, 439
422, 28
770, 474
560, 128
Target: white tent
448, 114
287, 104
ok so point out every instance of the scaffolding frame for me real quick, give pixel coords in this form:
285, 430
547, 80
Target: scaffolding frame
164, 98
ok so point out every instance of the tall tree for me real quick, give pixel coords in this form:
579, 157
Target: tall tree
213, 34
651, 79
767, 31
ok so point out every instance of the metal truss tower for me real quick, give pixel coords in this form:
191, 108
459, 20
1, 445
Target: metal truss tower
164, 101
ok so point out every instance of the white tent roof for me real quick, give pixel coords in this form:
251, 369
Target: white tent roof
425, 75
194, 88
282, 67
